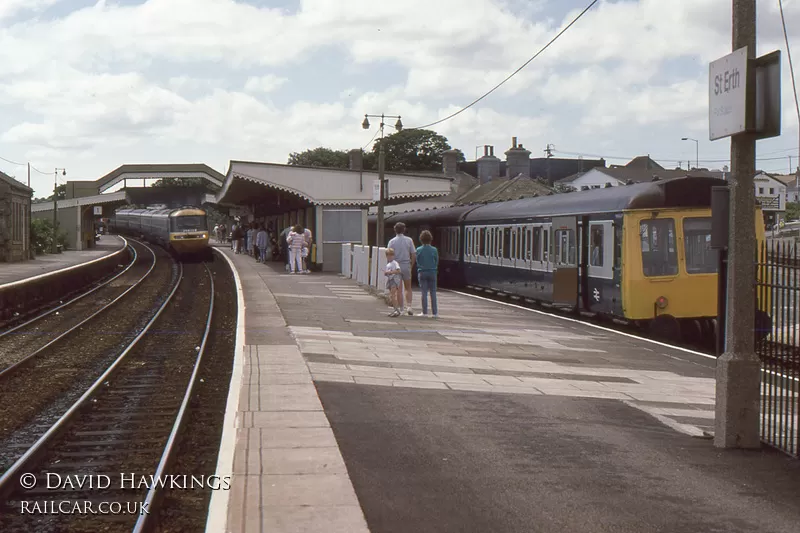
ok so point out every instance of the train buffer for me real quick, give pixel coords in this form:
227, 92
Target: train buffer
493, 418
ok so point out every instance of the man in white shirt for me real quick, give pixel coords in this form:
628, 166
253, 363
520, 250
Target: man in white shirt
405, 253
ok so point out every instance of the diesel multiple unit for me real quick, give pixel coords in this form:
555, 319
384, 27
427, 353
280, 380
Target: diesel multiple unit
183, 231
639, 252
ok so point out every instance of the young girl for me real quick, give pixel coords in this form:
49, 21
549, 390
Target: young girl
392, 273
427, 267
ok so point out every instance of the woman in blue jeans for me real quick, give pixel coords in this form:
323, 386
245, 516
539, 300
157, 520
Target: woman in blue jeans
427, 268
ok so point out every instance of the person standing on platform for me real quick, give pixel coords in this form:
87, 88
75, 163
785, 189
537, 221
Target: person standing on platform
405, 255
262, 243
306, 249
427, 269
296, 240
392, 273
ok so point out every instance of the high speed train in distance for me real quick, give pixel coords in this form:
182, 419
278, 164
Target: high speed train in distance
182, 231
637, 253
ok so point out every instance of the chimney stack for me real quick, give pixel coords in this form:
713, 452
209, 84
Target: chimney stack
518, 160
450, 163
356, 159
488, 165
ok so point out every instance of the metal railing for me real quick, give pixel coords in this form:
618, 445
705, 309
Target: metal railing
778, 346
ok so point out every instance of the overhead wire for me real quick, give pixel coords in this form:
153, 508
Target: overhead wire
373, 138
493, 89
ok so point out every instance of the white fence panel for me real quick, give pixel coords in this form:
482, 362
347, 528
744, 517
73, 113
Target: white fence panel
362, 259
347, 260
374, 267
356, 261
381, 261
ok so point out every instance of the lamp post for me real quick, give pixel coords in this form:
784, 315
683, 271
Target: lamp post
55, 207
381, 169
696, 150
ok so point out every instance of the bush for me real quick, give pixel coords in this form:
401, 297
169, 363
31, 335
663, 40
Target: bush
42, 236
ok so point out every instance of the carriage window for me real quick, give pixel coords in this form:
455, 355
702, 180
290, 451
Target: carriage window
482, 242
546, 244
564, 247
520, 244
596, 244
506, 243
659, 257
700, 258
537, 244
529, 244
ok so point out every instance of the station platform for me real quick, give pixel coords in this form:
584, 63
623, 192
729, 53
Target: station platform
492, 418
49, 263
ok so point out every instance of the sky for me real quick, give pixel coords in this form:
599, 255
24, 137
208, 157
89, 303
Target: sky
91, 85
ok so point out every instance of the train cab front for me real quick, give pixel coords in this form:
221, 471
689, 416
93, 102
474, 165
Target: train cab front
188, 233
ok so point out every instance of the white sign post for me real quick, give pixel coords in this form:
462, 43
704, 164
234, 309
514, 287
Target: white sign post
727, 95
376, 190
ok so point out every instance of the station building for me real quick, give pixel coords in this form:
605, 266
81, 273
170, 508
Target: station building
15, 220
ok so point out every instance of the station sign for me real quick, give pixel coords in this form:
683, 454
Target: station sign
376, 190
727, 95
98, 210
744, 95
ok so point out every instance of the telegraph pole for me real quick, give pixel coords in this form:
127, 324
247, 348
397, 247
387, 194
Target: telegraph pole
54, 247
738, 373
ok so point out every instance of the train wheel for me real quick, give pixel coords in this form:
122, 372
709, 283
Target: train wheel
665, 328
691, 331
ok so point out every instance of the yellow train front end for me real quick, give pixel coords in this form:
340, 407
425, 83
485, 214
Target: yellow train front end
188, 232
669, 280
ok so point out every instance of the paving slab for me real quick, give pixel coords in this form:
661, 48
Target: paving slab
491, 418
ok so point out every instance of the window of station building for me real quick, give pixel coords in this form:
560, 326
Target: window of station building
761, 190
596, 245
700, 258
659, 257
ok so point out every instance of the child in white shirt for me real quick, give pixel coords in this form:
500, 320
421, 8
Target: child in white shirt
392, 273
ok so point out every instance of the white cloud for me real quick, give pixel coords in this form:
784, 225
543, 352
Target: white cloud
184, 80
264, 84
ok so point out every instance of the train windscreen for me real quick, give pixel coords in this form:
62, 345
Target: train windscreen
189, 223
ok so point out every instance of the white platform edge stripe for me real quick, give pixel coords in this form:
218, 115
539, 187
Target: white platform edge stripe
218, 506
609, 330
66, 269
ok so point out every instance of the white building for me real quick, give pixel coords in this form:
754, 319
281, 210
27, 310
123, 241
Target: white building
771, 194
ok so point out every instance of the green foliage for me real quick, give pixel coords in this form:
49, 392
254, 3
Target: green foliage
42, 236
61, 191
792, 211
187, 182
414, 150
320, 157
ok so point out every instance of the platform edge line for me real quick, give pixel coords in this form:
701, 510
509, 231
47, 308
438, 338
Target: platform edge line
217, 520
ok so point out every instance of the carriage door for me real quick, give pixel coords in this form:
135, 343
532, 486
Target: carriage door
564, 241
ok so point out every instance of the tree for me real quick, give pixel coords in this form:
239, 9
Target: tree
186, 182
414, 150
320, 157
792, 211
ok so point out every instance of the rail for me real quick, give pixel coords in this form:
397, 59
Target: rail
8, 478
6, 371
145, 521
77, 298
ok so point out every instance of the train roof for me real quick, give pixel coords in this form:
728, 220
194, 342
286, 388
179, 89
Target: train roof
437, 217
676, 192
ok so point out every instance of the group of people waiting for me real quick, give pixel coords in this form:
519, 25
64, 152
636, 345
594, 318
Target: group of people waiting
262, 243
402, 257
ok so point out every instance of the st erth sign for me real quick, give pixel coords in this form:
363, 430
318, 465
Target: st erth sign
744, 95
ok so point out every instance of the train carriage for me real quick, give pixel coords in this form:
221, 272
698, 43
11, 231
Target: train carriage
638, 252
183, 231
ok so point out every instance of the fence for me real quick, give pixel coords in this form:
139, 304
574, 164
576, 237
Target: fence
779, 350
365, 265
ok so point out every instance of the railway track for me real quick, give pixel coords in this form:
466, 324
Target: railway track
39, 383
127, 423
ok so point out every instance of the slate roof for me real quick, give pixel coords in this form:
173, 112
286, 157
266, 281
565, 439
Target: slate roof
14, 183
642, 175
502, 189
